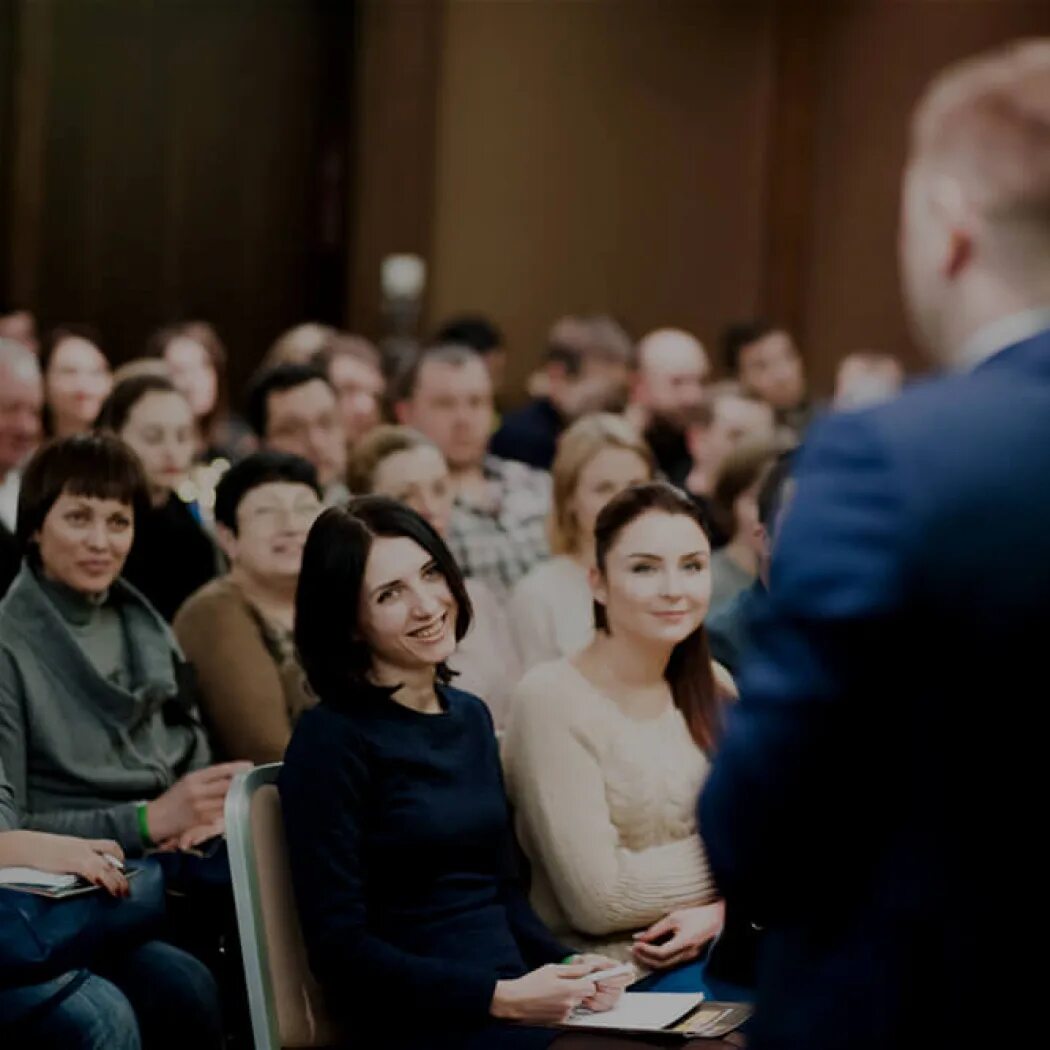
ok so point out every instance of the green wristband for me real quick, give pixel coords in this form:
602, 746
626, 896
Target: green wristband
143, 821
568, 959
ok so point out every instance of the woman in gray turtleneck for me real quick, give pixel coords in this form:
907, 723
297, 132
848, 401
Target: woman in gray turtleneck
98, 730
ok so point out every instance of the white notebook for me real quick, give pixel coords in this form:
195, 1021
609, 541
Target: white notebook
640, 1012
44, 880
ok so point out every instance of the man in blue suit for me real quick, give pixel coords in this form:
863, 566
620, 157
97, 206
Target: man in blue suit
877, 802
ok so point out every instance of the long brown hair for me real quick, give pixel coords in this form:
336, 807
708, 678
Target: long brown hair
688, 672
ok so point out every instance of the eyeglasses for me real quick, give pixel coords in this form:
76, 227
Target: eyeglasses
270, 515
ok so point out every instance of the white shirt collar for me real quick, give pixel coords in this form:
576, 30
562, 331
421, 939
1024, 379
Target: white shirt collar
997, 335
9, 486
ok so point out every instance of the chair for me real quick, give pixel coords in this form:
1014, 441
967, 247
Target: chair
285, 1002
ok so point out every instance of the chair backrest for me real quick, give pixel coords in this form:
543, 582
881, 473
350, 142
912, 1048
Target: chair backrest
286, 1005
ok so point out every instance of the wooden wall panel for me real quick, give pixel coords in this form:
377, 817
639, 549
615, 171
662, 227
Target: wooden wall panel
174, 159
601, 156
877, 58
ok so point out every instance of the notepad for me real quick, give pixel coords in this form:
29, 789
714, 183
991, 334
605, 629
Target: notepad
49, 884
640, 1012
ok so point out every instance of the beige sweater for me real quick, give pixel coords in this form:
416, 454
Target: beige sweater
551, 611
606, 809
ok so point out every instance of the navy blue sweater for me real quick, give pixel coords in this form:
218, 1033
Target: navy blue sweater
402, 859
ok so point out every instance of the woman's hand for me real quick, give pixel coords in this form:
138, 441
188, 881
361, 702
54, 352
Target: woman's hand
544, 996
607, 993
66, 855
195, 800
683, 934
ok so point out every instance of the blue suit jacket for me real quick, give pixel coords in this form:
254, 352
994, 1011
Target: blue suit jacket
877, 803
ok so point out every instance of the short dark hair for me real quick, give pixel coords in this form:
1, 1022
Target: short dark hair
445, 353
260, 468
771, 491
126, 395
59, 334
276, 380
100, 466
473, 330
742, 334
689, 672
743, 467
327, 600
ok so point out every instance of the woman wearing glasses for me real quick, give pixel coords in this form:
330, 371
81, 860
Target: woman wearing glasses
252, 688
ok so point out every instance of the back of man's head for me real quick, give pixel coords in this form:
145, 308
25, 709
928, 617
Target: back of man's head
976, 219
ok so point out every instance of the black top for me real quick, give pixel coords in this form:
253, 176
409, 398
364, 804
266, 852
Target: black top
172, 556
10, 558
402, 860
670, 450
530, 434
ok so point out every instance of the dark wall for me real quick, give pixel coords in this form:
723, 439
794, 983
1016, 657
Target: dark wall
179, 159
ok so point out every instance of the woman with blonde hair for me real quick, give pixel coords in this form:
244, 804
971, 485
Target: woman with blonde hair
550, 609
401, 463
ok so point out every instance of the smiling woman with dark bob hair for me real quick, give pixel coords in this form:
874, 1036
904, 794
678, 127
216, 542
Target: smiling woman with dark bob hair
399, 835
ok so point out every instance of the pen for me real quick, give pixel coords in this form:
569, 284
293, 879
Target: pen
112, 861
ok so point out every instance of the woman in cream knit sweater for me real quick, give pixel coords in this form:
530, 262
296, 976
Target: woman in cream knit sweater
607, 749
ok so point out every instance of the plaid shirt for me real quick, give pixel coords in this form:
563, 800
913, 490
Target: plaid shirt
500, 543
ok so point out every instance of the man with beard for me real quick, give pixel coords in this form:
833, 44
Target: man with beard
672, 367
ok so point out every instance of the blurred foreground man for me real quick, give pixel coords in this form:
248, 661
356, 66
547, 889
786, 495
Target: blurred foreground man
877, 803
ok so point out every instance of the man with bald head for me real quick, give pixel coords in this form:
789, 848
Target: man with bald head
671, 369
21, 405
877, 801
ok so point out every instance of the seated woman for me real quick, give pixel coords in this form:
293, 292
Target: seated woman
401, 463
100, 736
398, 832
735, 566
77, 379
146, 994
607, 750
550, 609
172, 554
252, 689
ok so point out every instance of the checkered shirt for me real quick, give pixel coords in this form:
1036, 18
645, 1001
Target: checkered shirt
501, 543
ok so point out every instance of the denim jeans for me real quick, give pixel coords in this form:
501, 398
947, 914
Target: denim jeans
155, 997
79, 1011
173, 995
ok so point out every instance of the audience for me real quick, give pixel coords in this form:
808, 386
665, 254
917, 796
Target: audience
866, 378
77, 380
607, 749
399, 835
481, 335
299, 345
671, 369
20, 327
729, 626
293, 408
735, 502
21, 404
497, 531
138, 993
172, 554
406, 466
727, 419
196, 359
100, 733
764, 359
551, 608
354, 369
587, 370
252, 688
